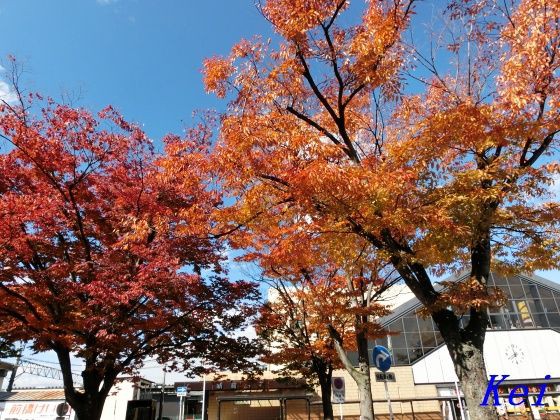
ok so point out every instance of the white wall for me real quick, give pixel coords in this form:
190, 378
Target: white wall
538, 350
117, 401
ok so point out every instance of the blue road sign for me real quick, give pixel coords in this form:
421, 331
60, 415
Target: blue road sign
181, 391
381, 358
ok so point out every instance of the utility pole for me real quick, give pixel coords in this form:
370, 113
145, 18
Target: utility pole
161, 398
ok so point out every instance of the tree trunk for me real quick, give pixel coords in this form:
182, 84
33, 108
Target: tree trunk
468, 353
325, 381
361, 375
364, 382
366, 399
90, 410
466, 347
465, 344
473, 378
88, 404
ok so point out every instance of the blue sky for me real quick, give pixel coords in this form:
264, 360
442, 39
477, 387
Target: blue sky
142, 56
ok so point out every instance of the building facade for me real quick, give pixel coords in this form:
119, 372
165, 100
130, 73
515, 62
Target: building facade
523, 342
35, 404
5, 372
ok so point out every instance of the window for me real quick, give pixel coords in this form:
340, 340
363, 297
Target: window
428, 339
553, 320
416, 337
499, 280
546, 293
397, 341
410, 323
415, 353
549, 305
414, 346
426, 324
540, 320
529, 305
498, 321
400, 356
516, 291
396, 326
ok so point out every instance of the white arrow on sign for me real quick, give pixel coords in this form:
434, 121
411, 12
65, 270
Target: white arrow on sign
383, 357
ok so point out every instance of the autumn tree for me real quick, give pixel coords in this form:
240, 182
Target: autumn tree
313, 322
325, 301
106, 249
293, 323
454, 175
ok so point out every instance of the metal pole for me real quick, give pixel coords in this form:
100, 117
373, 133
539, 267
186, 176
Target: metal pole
203, 397
340, 410
412, 409
161, 398
181, 417
460, 402
388, 398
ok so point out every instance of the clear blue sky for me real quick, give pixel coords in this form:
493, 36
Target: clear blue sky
142, 56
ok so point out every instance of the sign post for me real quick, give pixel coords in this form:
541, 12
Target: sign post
339, 393
181, 391
382, 361
181, 405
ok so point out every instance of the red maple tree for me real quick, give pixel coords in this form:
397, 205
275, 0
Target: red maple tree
106, 250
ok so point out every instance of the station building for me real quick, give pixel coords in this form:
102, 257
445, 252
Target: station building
523, 341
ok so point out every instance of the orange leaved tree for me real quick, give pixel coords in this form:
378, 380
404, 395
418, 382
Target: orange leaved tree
313, 322
324, 301
102, 246
294, 323
321, 128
